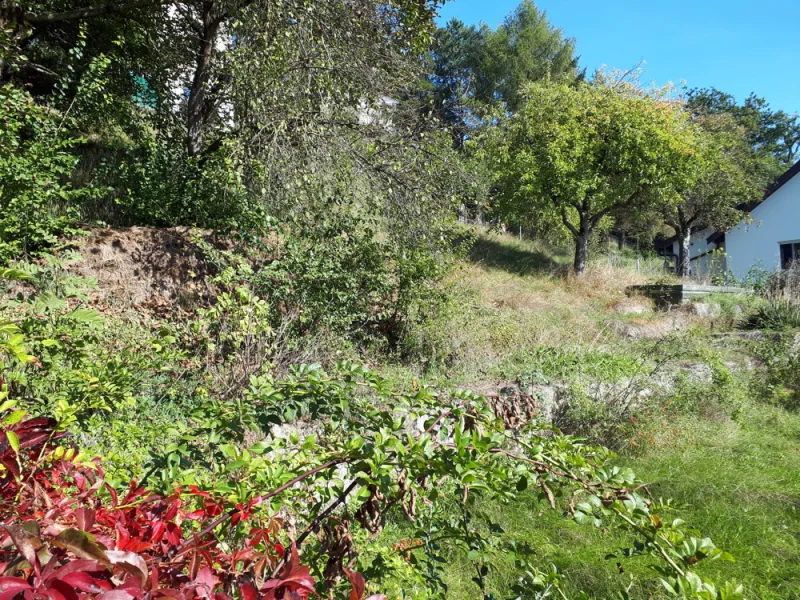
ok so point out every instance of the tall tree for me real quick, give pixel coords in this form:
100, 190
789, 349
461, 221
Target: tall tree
769, 132
526, 48
475, 67
579, 153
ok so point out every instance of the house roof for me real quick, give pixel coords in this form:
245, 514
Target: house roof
783, 179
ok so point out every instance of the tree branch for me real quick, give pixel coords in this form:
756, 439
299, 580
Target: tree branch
88, 12
565, 220
616, 206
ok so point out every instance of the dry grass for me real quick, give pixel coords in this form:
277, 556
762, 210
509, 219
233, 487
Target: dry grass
520, 295
785, 285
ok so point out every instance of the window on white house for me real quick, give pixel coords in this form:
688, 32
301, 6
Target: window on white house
790, 252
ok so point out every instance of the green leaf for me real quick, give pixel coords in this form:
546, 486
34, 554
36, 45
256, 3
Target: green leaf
13, 440
14, 418
81, 544
85, 315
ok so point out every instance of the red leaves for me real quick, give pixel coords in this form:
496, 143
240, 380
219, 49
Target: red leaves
62, 541
294, 580
358, 583
11, 586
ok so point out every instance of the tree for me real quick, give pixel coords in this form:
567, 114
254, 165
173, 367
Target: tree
456, 61
769, 132
224, 110
579, 153
526, 48
727, 174
476, 67
184, 49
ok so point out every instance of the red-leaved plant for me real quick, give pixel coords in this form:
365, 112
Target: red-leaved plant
66, 535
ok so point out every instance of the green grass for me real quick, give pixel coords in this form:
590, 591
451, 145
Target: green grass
738, 483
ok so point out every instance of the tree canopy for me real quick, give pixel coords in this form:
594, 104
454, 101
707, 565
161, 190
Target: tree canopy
581, 152
770, 132
728, 176
475, 67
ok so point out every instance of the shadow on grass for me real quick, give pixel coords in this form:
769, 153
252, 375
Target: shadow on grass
494, 254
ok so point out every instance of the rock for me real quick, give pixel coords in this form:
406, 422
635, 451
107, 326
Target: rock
705, 309
699, 373
636, 330
551, 399
739, 335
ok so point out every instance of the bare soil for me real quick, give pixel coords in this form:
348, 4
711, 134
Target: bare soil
139, 265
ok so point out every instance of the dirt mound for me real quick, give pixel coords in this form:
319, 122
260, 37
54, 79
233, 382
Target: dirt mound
140, 265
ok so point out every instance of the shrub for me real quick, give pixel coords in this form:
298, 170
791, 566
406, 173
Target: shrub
775, 314
341, 274
37, 201
779, 378
158, 184
63, 538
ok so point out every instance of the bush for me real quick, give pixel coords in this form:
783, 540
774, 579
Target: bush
776, 315
340, 274
158, 184
64, 539
37, 201
778, 380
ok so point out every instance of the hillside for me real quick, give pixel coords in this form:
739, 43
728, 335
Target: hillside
261, 336
704, 435
702, 413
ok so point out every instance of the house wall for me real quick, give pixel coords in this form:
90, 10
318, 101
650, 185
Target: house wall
775, 221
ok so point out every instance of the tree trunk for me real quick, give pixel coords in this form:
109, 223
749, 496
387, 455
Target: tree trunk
684, 251
199, 105
581, 233
581, 250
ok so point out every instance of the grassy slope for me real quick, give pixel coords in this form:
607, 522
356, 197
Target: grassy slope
739, 481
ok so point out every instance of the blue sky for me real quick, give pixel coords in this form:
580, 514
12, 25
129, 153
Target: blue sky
738, 46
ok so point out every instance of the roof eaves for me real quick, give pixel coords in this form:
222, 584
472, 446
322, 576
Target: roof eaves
784, 179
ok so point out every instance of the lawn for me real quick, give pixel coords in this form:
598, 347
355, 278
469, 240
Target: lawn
737, 482
733, 474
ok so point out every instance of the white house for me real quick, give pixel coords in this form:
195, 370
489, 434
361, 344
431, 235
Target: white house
771, 240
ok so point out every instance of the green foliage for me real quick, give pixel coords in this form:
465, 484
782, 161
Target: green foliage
158, 184
354, 441
340, 274
770, 133
37, 202
776, 314
74, 376
575, 154
727, 174
546, 364
779, 379
475, 67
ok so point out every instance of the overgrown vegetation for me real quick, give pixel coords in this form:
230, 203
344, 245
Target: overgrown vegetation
368, 394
